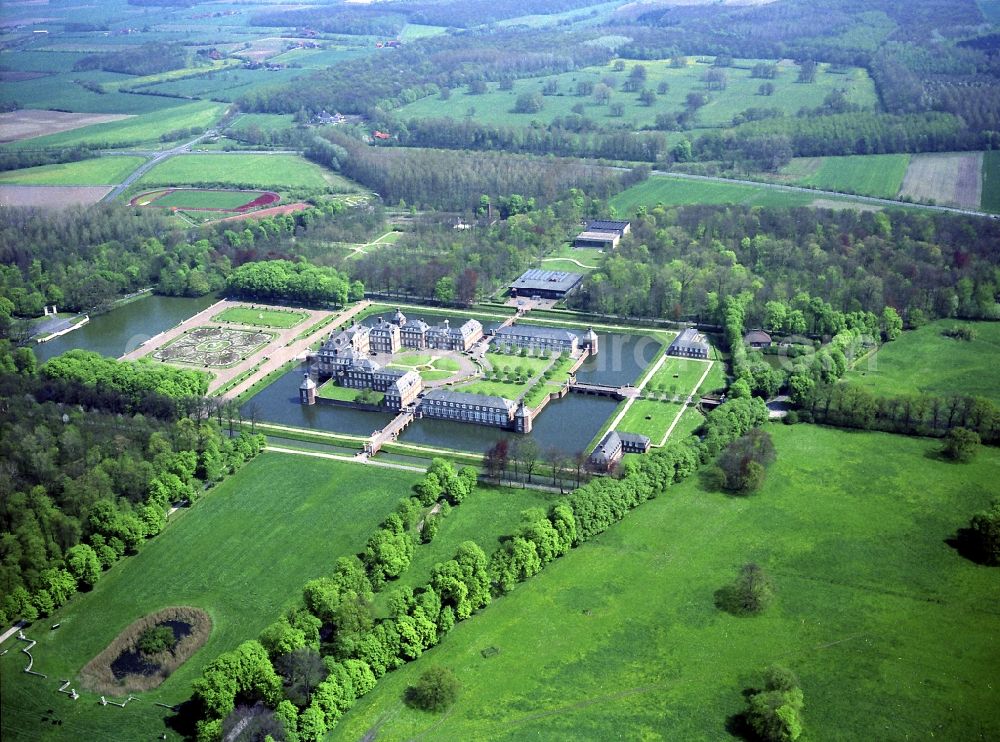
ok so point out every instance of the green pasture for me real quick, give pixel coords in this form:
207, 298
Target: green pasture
242, 554
269, 122
252, 170
865, 175
96, 171
317, 59
892, 633
276, 318
584, 16
672, 191
991, 179
496, 106
926, 361
30, 60
413, 31
146, 128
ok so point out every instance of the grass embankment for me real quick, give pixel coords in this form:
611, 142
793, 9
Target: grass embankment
256, 317
892, 633
96, 171
928, 362
242, 553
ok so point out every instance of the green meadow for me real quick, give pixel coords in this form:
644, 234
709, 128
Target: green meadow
673, 191
497, 106
96, 171
250, 170
279, 318
144, 129
865, 175
928, 362
892, 633
242, 554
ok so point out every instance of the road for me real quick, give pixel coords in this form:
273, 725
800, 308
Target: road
155, 160
821, 194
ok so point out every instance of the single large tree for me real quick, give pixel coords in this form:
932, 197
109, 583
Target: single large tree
436, 690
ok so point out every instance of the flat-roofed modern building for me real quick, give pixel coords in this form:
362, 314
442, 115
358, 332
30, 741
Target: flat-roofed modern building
689, 344
602, 234
472, 408
546, 284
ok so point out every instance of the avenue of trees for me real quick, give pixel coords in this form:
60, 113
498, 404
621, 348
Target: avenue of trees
87, 479
334, 626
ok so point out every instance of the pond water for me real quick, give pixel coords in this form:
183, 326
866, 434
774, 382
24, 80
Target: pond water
133, 662
123, 329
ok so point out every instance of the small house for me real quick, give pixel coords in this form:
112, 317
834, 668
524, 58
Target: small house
757, 339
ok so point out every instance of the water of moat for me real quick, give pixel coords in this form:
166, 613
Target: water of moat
121, 330
567, 424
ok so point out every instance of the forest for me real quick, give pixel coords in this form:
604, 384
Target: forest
90, 474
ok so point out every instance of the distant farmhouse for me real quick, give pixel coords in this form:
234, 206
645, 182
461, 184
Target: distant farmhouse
613, 446
545, 284
757, 339
602, 235
689, 344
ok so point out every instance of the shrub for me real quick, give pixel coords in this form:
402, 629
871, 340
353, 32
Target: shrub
984, 533
960, 444
775, 710
156, 639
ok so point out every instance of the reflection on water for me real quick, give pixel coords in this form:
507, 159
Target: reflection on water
121, 330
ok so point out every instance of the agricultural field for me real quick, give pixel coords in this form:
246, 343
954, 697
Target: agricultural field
891, 632
672, 191
496, 106
51, 197
865, 175
96, 171
280, 319
315, 59
264, 122
946, 178
991, 182
135, 130
213, 558
278, 172
926, 361
29, 123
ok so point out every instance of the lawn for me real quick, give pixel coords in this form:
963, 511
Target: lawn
96, 171
146, 128
256, 317
680, 374
496, 106
330, 390
242, 171
650, 418
494, 389
532, 364
672, 191
412, 360
241, 554
926, 361
991, 181
892, 633
866, 175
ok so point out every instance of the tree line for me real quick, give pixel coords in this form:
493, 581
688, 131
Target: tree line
302, 282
